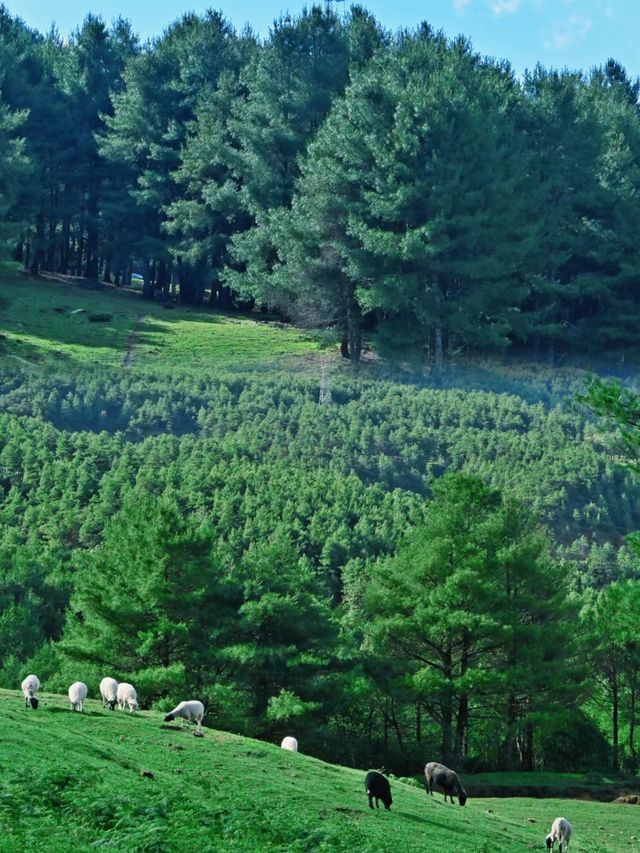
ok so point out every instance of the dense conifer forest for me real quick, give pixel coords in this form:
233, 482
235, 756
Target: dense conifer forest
399, 562
349, 177
229, 534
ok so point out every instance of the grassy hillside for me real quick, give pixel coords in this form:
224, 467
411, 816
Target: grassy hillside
76, 780
47, 322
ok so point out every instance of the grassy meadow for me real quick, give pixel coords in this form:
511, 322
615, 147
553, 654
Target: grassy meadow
83, 788
47, 322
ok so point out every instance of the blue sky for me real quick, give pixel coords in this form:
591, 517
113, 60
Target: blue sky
558, 33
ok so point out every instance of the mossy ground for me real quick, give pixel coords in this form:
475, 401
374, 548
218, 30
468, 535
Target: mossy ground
47, 322
74, 781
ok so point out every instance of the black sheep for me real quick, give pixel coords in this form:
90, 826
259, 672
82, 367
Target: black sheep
376, 785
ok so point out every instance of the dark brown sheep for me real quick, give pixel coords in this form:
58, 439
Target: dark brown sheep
446, 780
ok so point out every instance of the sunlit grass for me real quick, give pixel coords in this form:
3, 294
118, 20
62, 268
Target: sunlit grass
47, 322
74, 781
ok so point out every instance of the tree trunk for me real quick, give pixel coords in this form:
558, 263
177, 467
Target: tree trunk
93, 234
225, 298
446, 746
106, 275
632, 725
50, 261
64, 247
615, 712
162, 278
175, 274
38, 255
462, 722
438, 349
508, 749
147, 284
527, 748
354, 329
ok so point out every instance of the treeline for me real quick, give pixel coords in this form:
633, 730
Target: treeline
349, 177
287, 561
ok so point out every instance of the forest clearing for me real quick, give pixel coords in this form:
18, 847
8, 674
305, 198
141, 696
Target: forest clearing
48, 323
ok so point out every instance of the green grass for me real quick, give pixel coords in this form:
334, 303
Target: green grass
47, 322
73, 781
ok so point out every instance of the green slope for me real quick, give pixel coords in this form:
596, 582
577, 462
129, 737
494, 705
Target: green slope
47, 322
74, 782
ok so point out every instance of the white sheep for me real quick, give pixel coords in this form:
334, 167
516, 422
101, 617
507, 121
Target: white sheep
77, 694
30, 687
289, 743
193, 710
561, 831
126, 695
109, 692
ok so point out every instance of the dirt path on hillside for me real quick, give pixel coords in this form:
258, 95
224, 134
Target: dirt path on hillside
130, 354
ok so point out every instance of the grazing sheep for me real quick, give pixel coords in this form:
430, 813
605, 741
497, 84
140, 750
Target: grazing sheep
77, 694
376, 785
289, 743
561, 831
30, 687
109, 692
189, 711
446, 780
126, 695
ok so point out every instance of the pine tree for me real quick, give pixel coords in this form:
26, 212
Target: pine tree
153, 603
13, 166
610, 619
285, 659
290, 87
148, 129
471, 608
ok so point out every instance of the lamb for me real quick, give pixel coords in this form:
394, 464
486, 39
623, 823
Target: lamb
126, 695
77, 694
376, 785
289, 743
561, 831
447, 780
109, 692
192, 710
30, 687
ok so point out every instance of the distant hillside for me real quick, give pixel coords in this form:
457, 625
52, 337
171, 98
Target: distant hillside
75, 781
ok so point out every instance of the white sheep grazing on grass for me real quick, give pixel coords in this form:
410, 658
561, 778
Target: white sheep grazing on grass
561, 831
289, 743
126, 695
109, 692
77, 694
189, 711
30, 687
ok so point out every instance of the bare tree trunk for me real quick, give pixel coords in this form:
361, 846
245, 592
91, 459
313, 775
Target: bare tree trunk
38, 255
64, 248
615, 713
446, 746
438, 349
632, 725
527, 750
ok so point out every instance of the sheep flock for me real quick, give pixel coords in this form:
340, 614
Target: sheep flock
377, 785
